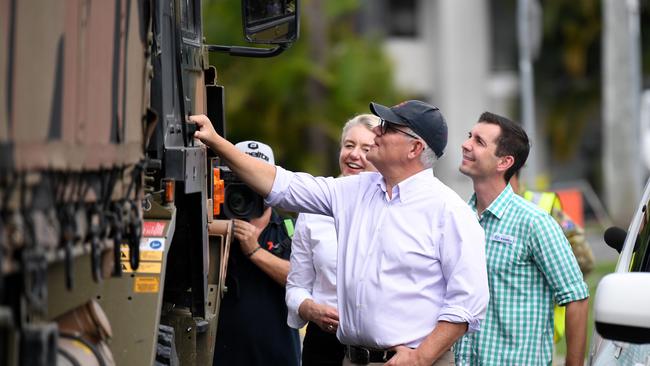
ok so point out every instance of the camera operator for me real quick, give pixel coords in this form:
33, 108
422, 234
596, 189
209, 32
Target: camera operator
252, 326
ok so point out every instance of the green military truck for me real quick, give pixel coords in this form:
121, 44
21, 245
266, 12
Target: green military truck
113, 249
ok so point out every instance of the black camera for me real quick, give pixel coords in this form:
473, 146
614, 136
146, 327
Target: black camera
240, 202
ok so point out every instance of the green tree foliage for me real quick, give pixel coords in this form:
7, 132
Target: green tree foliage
569, 79
569, 72
298, 101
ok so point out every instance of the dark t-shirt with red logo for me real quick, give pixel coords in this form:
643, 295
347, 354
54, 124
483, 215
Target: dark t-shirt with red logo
253, 326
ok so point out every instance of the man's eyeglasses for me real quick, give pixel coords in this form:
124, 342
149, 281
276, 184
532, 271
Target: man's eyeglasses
384, 126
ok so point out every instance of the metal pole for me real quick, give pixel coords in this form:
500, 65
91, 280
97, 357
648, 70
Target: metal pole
634, 31
527, 85
621, 103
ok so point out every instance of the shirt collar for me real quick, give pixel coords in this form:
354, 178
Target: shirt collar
498, 207
408, 188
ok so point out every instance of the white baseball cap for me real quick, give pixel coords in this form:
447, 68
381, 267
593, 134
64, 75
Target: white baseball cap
258, 150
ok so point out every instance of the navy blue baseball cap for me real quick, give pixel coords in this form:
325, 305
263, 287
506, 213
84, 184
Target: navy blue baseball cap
424, 119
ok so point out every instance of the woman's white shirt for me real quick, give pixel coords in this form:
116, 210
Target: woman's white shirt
313, 265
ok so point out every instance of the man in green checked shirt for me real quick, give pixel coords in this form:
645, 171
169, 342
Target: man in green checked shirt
530, 263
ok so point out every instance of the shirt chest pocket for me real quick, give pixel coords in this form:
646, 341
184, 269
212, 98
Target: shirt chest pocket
504, 254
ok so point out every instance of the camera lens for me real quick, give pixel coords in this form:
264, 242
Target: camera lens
241, 202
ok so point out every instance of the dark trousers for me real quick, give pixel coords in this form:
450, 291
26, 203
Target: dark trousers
320, 348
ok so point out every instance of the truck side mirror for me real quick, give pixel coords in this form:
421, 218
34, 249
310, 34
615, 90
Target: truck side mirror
270, 21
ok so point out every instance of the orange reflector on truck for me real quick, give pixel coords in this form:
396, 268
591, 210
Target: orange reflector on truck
218, 191
169, 185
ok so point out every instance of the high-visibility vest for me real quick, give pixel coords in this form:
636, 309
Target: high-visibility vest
548, 201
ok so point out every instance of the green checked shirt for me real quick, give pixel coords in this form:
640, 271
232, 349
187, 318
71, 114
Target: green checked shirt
530, 267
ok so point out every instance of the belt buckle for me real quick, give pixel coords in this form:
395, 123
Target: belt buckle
359, 355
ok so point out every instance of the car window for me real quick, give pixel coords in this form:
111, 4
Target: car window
640, 261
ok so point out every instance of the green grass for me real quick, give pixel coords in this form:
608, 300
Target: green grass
592, 280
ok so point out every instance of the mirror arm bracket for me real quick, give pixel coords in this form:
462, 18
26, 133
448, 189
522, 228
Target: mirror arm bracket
248, 51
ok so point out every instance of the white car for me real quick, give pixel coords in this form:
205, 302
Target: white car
622, 300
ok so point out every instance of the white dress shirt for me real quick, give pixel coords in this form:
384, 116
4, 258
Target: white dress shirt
313, 265
404, 263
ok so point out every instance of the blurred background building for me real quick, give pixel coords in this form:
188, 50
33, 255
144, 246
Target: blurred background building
587, 70
584, 84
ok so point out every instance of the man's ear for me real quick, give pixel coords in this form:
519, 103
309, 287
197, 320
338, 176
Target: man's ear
416, 149
505, 162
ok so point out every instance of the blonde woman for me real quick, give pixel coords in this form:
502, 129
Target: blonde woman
311, 285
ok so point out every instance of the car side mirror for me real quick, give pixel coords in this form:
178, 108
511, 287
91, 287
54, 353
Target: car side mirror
615, 238
621, 307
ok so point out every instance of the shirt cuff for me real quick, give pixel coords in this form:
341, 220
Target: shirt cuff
295, 298
455, 314
575, 292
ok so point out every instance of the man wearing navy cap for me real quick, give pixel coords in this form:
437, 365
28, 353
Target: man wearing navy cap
424, 119
411, 272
